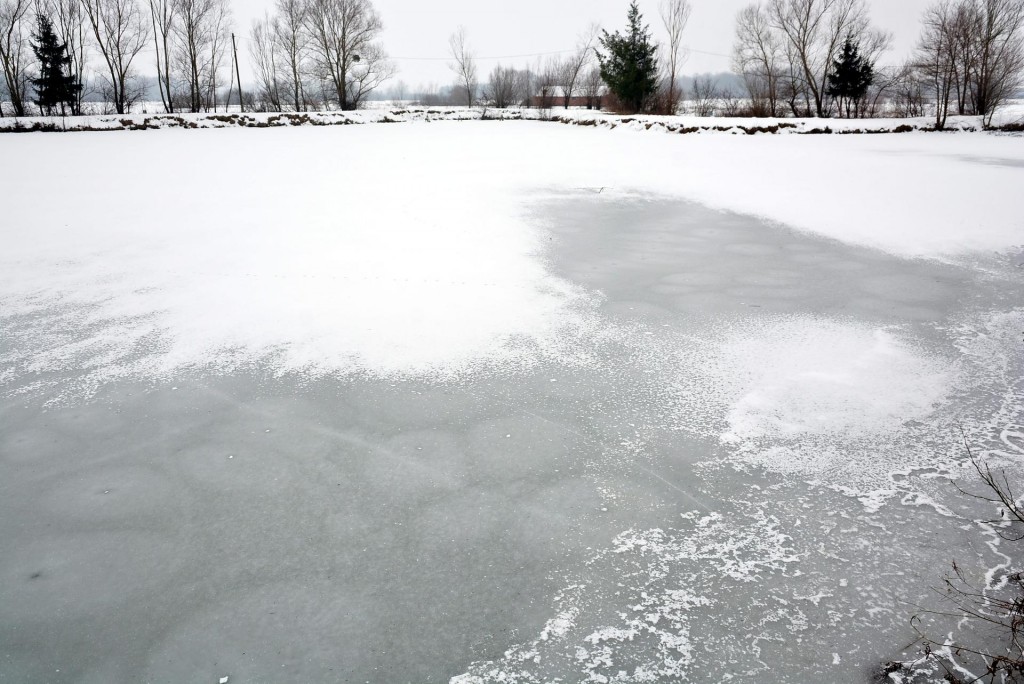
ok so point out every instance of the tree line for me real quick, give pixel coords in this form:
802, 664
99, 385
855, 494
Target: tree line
808, 58
801, 58
309, 54
603, 68
821, 57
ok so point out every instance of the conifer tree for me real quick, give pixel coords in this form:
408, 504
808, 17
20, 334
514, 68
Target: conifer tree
630, 67
850, 78
55, 85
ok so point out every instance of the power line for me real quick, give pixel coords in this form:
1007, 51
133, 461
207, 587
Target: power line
714, 54
448, 58
532, 54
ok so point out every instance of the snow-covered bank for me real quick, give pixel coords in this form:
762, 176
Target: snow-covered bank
685, 125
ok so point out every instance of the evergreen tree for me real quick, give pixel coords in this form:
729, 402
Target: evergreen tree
56, 86
630, 67
850, 77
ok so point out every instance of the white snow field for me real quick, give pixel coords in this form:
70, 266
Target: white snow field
496, 401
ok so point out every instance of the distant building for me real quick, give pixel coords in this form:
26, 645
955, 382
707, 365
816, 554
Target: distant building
549, 97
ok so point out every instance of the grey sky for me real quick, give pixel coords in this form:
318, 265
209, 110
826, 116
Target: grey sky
416, 33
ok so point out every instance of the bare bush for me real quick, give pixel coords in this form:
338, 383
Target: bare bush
593, 88
986, 615
908, 94
505, 88
706, 94
733, 105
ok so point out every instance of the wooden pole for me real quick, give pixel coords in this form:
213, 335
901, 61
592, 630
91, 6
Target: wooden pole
238, 76
231, 87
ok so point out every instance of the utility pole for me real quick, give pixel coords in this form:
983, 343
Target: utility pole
238, 77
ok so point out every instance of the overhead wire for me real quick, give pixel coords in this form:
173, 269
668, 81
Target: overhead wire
448, 58
532, 54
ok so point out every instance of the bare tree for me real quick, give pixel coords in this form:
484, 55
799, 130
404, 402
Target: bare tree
972, 51
937, 57
200, 41
793, 88
349, 61
14, 51
292, 40
965, 27
784, 51
193, 26
463, 64
758, 57
120, 33
264, 52
570, 70
162, 16
675, 14
802, 23
372, 70
814, 31
220, 35
999, 46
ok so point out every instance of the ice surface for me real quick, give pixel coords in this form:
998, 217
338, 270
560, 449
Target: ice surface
403, 249
494, 401
890, 395
822, 376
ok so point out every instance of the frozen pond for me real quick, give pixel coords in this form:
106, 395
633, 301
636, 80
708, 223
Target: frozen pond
723, 452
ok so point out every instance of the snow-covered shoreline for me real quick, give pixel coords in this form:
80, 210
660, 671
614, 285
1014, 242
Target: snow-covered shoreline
685, 125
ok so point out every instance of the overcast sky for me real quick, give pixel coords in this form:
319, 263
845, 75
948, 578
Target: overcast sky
416, 32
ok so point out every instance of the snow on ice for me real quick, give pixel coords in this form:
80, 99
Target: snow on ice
416, 250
